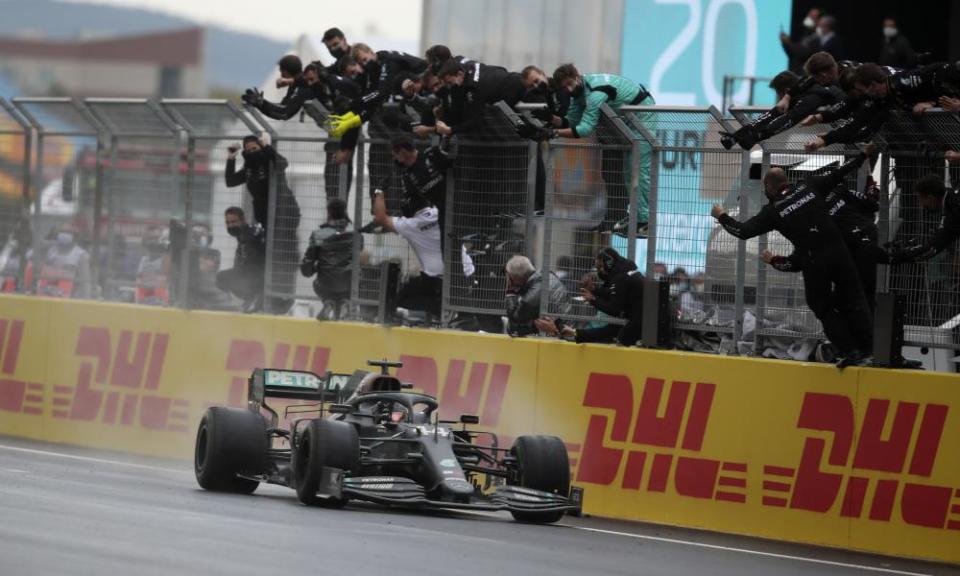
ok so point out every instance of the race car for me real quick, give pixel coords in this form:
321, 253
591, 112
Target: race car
371, 438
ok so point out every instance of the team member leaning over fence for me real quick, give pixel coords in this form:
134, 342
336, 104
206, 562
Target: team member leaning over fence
855, 213
831, 284
588, 93
620, 295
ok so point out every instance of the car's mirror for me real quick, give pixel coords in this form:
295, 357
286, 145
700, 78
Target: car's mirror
469, 419
406, 385
340, 408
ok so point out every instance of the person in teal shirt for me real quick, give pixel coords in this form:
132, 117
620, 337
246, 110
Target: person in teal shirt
588, 93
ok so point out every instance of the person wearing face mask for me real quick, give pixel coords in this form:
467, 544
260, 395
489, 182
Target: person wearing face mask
830, 41
587, 94
337, 46
66, 269
803, 97
897, 51
260, 163
245, 279
153, 272
801, 48
831, 284
619, 295
472, 86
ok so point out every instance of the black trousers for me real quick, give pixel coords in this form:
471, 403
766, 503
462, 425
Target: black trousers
422, 293
835, 295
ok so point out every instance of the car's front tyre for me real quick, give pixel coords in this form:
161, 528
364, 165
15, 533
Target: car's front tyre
542, 464
230, 441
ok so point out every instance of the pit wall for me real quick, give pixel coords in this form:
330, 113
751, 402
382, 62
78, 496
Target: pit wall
863, 459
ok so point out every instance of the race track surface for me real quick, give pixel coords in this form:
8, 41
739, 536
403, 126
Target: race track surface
66, 510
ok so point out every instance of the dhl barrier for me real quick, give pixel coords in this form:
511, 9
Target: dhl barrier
862, 459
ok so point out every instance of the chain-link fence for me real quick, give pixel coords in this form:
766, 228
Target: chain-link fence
128, 200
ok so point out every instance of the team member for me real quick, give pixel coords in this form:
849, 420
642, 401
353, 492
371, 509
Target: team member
473, 86
933, 195
587, 94
245, 279
802, 98
620, 296
329, 256
420, 227
260, 163
854, 212
831, 284
423, 174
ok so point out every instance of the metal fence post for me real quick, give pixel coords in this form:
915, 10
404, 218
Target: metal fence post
883, 220
449, 241
545, 266
357, 223
529, 241
24, 210
187, 256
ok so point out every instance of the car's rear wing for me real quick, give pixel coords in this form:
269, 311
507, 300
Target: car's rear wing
293, 384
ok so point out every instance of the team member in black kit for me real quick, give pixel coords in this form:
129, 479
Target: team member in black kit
259, 162
934, 195
803, 98
423, 174
831, 283
472, 86
854, 212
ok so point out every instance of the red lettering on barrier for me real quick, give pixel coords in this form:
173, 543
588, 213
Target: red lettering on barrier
454, 399
599, 464
874, 453
816, 489
134, 365
692, 477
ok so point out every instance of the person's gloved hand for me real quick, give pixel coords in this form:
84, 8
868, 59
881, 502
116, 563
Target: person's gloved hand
543, 114
340, 124
253, 97
537, 133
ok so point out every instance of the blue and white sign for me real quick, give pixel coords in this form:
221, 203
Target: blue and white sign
681, 49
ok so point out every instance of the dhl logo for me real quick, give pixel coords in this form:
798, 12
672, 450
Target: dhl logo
893, 444
643, 446
16, 395
117, 381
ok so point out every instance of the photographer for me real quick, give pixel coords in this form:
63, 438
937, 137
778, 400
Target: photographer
620, 296
329, 256
245, 279
524, 292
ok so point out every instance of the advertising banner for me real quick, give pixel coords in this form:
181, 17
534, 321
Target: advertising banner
864, 459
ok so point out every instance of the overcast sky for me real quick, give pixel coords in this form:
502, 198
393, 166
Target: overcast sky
285, 20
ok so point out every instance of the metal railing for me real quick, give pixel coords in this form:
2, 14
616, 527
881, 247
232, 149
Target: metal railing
116, 172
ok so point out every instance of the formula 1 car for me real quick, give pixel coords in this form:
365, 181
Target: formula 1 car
371, 438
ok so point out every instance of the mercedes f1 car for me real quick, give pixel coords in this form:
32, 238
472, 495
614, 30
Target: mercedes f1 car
368, 436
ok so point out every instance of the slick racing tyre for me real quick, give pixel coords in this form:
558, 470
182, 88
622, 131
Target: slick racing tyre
230, 441
324, 443
542, 464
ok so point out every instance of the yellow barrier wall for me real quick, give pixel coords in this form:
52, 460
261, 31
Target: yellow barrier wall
864, 459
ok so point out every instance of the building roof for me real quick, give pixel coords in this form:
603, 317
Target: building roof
175, 48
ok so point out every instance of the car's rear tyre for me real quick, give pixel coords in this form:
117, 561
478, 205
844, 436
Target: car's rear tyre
542, 464
324, 443
230, 441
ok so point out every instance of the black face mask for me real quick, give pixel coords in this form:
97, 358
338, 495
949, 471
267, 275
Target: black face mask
442, 92
372, 69
233, 231
578, 91
338, 52
253, 157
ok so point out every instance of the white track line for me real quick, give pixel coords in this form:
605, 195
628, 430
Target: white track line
746, 551
584, 528
91, 459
